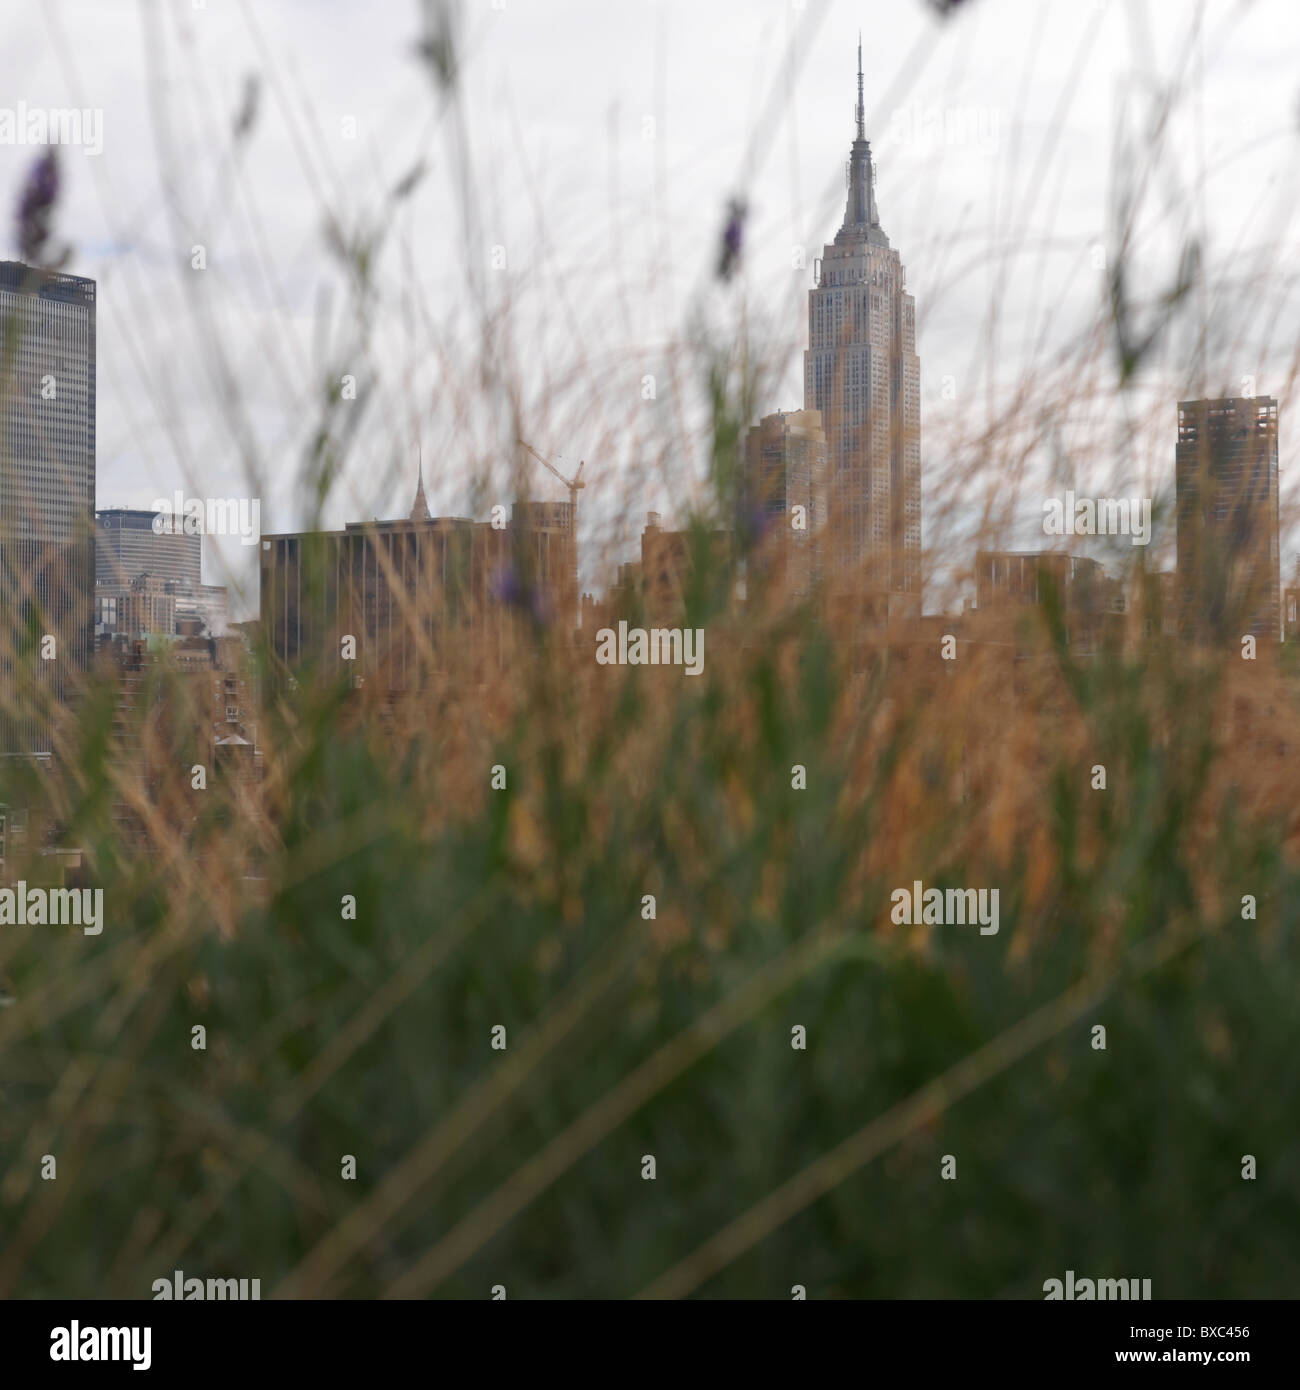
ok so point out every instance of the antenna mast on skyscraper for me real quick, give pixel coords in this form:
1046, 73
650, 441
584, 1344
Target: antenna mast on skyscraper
862, 131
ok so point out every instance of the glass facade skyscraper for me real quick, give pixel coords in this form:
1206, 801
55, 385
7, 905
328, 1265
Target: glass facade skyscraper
47, 497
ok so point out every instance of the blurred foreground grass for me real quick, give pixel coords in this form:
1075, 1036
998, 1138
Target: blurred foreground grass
671, 1037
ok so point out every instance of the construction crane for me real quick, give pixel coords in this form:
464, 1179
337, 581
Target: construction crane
573, 484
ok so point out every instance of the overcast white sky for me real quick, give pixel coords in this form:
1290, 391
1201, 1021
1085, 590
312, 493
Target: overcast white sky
606, 138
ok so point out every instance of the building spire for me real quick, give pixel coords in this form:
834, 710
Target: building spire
861, 220
420, 507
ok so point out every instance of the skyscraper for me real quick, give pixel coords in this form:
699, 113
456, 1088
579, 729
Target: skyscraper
784, 468
138, 561
418, 597
1229, 565
862, 373
47, 496
127, 545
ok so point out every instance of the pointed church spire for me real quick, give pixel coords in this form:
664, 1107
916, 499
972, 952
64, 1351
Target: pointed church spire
420, 507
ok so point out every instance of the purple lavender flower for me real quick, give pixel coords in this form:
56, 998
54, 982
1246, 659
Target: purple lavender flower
732, 236
35, 209
512, 589
757, 522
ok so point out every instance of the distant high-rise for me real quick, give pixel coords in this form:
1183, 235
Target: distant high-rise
668, 574
1229, 563
862, 373
784, 468
135, 565
127, 546
47, 496
416, 597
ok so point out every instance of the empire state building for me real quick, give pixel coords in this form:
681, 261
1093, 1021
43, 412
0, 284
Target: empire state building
862, 373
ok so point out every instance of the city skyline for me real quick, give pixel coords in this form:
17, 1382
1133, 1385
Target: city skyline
862, 389
960, 162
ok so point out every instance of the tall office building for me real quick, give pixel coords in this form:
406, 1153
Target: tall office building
784, 468
136, 566
47, 496
127, 546
1229, 563
862, 373
415, 596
